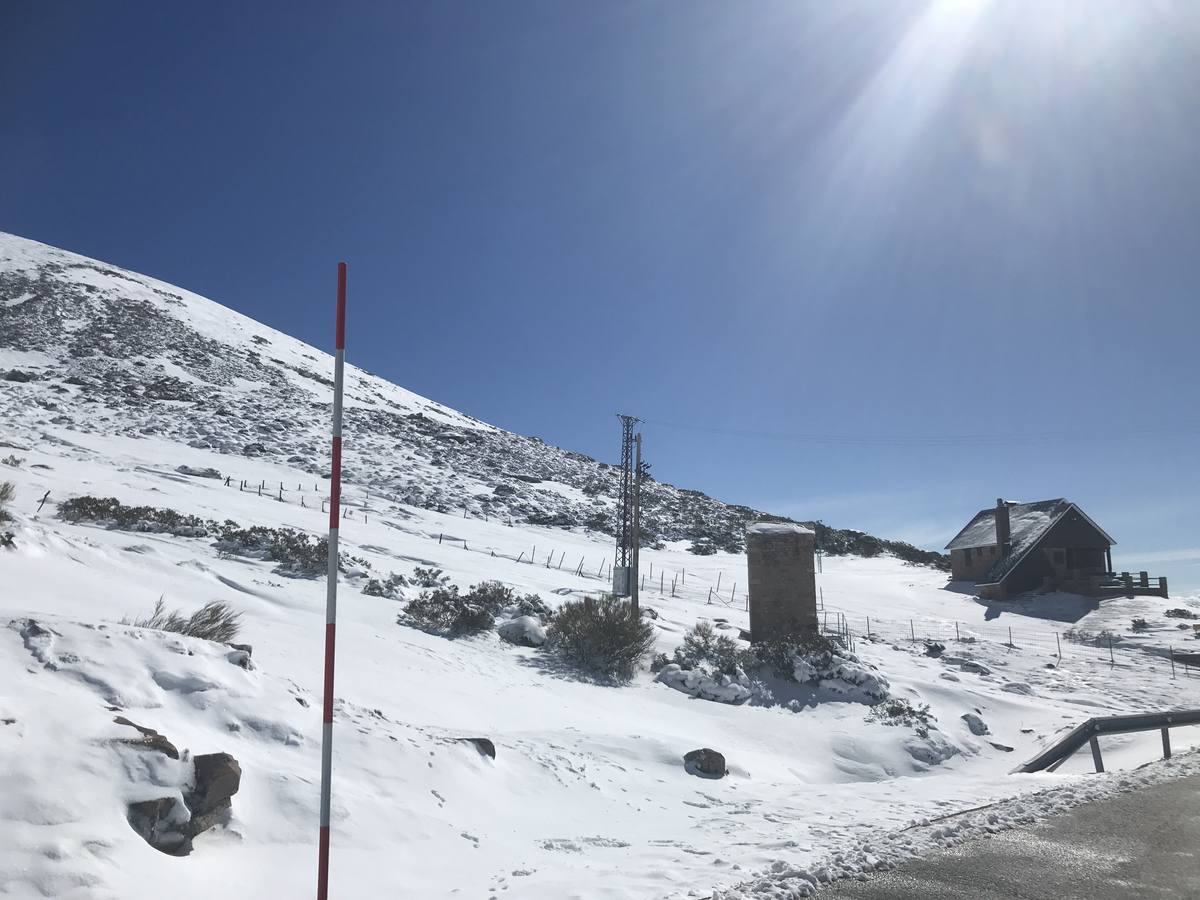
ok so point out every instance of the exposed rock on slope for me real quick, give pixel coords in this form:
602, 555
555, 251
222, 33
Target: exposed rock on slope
105, 350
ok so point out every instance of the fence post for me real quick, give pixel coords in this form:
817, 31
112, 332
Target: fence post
710, 596
1171, 649
1096, 758
912, 628
1058, 643
1166, 732
1010, 643
868, 626
718, 582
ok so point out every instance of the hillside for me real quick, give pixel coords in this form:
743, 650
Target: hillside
202, 425
109, 351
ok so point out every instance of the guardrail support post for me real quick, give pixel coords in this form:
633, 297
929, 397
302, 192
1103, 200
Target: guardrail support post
1166, 732
1096, 758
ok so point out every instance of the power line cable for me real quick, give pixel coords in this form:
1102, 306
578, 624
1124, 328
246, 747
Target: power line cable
936, 440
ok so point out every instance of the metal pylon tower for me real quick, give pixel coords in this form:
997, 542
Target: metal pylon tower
625, 507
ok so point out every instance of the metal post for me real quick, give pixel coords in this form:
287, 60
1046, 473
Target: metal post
957, 636
1112, 661
635, 550
1058, 643
335, 496
912, 629
1166, 732
1096, 758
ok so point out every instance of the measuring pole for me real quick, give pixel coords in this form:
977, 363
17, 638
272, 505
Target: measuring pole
335, 499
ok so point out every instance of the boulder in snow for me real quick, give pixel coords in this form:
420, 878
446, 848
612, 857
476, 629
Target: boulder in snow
525, 631
706, 762
198, 472
162, 823
976, 724
218, 777
483, 745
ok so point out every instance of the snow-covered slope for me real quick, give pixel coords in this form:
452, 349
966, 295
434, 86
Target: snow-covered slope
587, 795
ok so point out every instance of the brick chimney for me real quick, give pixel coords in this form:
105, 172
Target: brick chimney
1003, 527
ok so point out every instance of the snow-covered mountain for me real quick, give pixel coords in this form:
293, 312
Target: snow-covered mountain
113, 385
113, 352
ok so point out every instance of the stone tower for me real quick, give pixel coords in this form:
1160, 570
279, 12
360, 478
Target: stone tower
783, 583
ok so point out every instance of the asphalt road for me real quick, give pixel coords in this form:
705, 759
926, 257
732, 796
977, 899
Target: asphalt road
1144, 845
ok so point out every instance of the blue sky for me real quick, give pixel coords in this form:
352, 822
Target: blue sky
877, 263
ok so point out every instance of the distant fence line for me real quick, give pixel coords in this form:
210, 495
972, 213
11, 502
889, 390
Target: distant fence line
853, 625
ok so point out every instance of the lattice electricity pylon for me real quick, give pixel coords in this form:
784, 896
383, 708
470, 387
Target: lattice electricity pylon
625, 507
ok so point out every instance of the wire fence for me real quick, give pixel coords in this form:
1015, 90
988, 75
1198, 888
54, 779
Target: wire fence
694, 587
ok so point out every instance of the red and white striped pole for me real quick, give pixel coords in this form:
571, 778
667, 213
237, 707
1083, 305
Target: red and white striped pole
335, 499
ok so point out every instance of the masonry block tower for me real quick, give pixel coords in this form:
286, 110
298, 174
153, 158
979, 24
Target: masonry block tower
782, 578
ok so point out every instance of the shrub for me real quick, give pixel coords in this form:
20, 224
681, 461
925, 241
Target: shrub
112, 513
601, 637
897, 711
7, 492
702, 548
214, 621
430, 577
493, 595
12, 460
703, 647
443, 610
296, 552
780, 651
533, 605
1140, 624
386, 587
1180, 613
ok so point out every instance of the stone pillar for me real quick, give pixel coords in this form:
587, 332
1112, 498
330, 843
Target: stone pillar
782, 580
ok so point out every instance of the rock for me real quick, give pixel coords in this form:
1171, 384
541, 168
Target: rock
483, 745
204, 472
1003, 747
649, 613
162, 823
706, 763
241, 659
149, 740
218, 777
19, 376
1018, 687
934, 649
245, 648
976, 724
526, 631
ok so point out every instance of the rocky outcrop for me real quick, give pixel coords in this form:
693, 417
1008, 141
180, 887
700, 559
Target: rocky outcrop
169, 823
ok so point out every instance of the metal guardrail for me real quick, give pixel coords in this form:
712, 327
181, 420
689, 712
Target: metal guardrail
1089, 732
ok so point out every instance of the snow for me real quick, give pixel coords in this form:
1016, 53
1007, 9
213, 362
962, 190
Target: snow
777, 528
587, 795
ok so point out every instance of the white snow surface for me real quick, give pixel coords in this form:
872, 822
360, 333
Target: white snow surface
587, 796
778, 528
